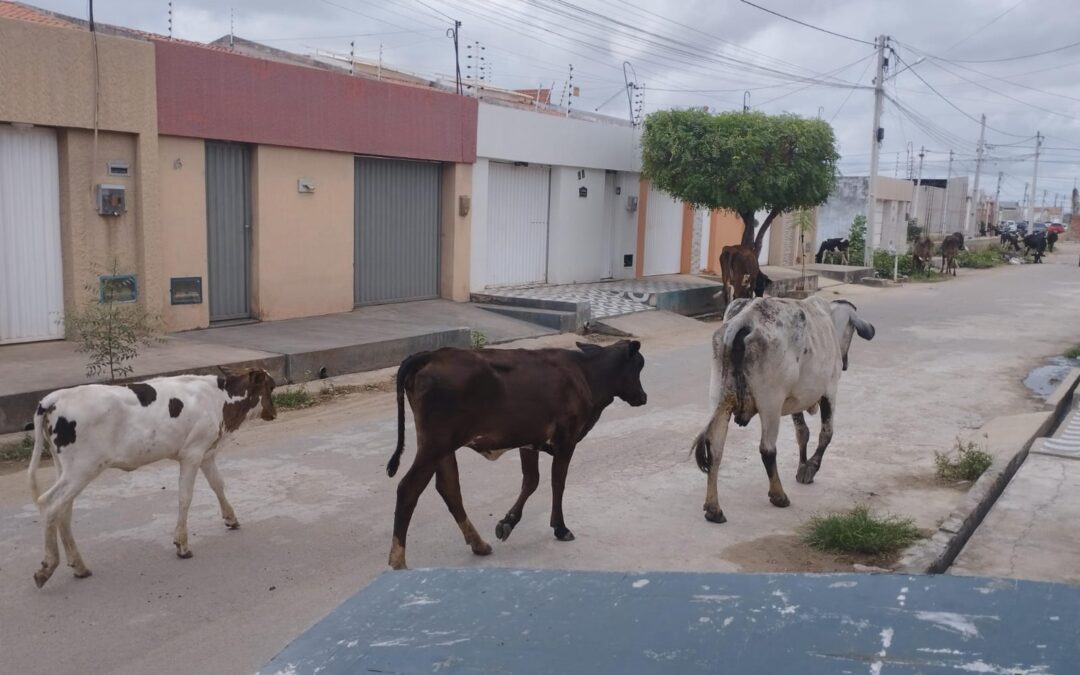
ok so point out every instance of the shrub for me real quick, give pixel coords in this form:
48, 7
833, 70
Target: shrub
293, 399
1073, 352
913, 230
988, 257
883, 264
968, 462
857, 241
20, 450
857, 530
477, 339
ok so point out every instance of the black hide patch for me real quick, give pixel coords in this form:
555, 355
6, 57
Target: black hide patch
65, 432
45, 411
175, 406
848, 303
144, 392
826, 409
233, 385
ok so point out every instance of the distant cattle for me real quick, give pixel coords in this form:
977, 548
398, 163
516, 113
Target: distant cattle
959, 236
833, 248
921, 254
1035, 243
950, 248
1051, 239
776, 357
495, 400
740, 273
94, 427
1011, 240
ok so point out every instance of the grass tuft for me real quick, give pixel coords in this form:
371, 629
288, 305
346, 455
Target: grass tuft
1073, 352
982, 259
967, 462
294, 399
17, 451
859, 531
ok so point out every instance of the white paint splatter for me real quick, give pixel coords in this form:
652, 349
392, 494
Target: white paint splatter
351, 643
886, 642
728, 621
956, 623
1055, 618
981, 666
396, 642
790, 609
419, 600
640, 583
940, 651
844, 584
714, 598
450, 642
902, 598
704, 619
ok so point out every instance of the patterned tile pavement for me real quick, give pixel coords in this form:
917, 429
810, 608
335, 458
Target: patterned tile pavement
606, 298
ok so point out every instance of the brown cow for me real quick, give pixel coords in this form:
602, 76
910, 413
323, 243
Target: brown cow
493, 401
740, 273
921, 253
950, 246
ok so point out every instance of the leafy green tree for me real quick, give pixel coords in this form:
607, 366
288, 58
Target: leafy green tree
740, 161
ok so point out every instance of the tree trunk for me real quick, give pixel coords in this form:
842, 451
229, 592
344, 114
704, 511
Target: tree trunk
763, 229
748, 228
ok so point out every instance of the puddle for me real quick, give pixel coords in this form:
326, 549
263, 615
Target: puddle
1044, 380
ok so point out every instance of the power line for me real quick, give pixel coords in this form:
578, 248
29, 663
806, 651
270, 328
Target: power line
808, 25
848, 97
983, 27
1017, 58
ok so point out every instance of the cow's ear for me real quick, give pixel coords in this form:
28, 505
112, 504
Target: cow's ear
865, 329
589, 348
634, 347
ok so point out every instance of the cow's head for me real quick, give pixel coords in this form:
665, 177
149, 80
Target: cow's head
256, 387
847, 323
623, 364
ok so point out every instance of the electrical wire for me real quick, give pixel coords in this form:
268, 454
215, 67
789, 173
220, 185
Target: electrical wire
808, 25
983, 27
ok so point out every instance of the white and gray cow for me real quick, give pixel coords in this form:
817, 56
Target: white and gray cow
775, 357
95, 427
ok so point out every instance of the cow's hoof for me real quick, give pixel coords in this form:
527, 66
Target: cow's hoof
83, 573
503, 530
806, 473
483, 548
563, 534
715, 516
780, 500
183, 553
40, 577
234, 525
398, 566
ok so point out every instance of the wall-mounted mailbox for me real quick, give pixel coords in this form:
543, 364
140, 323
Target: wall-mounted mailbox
631, 203
111, 200
464, 204
583, 191
628, 260
618, 189
118, 168
120, 288
185, 290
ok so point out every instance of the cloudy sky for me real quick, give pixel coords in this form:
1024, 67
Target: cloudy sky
978, 57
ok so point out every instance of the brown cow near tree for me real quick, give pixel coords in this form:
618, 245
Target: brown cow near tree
922, 253
493, 401
950, 247
740, 273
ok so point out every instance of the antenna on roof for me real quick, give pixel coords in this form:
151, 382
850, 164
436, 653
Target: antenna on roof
570, 92
352, 56
232, 26
380, 61
170, 19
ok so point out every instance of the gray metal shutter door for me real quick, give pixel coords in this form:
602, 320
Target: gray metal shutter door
228, 223
397, 230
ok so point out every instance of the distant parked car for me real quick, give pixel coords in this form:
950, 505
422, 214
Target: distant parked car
1008, 226
1038, 227
1022, 228
1056, 228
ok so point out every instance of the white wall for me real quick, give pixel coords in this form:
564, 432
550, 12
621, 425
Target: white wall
577, 247
478, 228
626, 223
517, 135
663, 234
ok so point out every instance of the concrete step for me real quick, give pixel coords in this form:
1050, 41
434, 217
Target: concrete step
845, 273
558, 319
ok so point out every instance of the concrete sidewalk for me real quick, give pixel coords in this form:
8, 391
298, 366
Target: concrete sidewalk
292, 350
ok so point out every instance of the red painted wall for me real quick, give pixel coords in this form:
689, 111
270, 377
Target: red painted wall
207, 93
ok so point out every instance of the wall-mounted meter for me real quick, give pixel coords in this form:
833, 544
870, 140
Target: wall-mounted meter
111, 200
631, 203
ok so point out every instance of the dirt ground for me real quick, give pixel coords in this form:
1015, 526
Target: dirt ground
316, 506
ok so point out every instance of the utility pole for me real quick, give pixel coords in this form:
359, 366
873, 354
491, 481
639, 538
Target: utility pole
1034, 178
875, 155
918, 179
978, 170
453, 33
996, 215
945, 202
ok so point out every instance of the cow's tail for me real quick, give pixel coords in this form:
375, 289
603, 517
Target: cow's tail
735, 358
405, 374
40, 423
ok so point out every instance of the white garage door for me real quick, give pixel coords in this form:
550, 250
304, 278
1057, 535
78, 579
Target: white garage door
663, 234
517, 232
31, 277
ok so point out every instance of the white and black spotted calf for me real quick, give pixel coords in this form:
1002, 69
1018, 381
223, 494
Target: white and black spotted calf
95, 427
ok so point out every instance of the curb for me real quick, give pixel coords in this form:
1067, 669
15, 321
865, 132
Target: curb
938, 553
